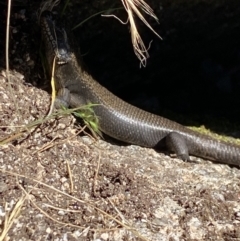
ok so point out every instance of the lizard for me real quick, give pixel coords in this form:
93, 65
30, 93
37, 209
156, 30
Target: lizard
117, 118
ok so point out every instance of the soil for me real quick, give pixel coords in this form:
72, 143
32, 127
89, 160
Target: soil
58, 183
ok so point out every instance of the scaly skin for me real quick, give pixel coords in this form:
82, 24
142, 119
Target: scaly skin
119, 119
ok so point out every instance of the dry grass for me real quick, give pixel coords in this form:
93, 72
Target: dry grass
11, 216
133, 7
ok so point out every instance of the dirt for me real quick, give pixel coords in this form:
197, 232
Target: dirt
58, 183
